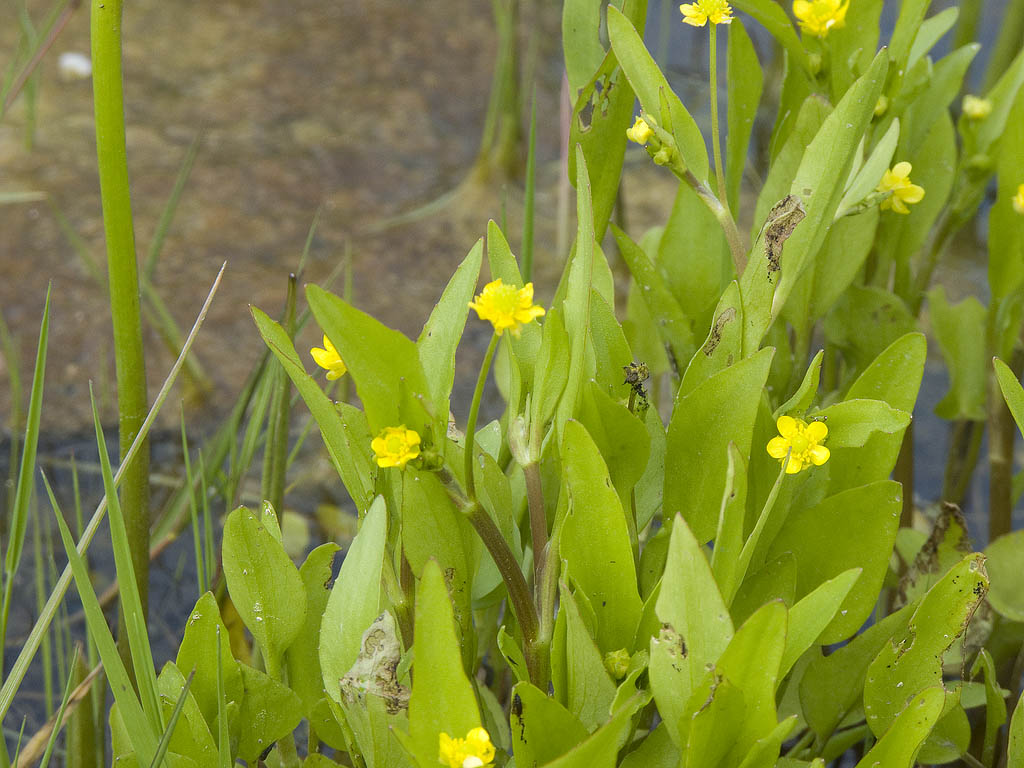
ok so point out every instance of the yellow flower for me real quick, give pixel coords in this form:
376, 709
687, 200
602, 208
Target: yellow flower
975, 108
817, 17
507, 307
897, 182
396, 446
474, 751
801, 441
329, 359
640, 132
1018, 200
701, 12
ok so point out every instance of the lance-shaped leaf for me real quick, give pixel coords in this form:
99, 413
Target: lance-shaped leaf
900, 744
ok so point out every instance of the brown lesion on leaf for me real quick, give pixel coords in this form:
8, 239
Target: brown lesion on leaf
674, 644
947, 545
375, 671
715, 337
782, 220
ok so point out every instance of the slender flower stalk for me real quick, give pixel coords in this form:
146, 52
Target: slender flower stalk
716, 144
474, 411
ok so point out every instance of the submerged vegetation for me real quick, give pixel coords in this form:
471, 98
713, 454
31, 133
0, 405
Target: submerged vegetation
691, 536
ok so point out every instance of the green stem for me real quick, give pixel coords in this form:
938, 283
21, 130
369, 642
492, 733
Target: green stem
538, 518
1000, 457
122, 268
721, 213
510, 570
716, 146
474, 411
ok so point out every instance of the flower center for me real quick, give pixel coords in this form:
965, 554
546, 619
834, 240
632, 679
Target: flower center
800, 444
396, 444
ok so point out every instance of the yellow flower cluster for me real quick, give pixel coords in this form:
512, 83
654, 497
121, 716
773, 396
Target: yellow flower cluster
801, 441
896, 181
329, 359
1018, 200
506, 307
975, 108
640, 132
701, 12
474, 751
396, 446
818, 17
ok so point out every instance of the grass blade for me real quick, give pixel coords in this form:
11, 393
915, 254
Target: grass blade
131, 593
531, 188
60, 716
197, 541
165, 740
28, 650
26, 473
140, 731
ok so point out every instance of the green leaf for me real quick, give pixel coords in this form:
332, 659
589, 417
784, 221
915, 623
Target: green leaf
720, 410
852, 422
908, 24
542, 729
895, 375
912, 662
589, 691
650, 84
877, 164
577, 297
264, 584
1015, 746
775, 580
833, 685
696, 627
1012, 392
899, 745
595, 541
854, 44
693, 256
549, 373
731, 516
610, 349
995, 704
672, 325
342, 427
189, 735
829, 538
581, 44
384, 364
602, 747
440, 336
944, 84
1005, 225
946, 546
1002, 95
713, 728
805, 393
621, 437
751, 663
811, 615
958, 329
269, 712
745, 81
442, 696
655, 751
303, 656
723, 345
1005, 566
602, 112
354, 601
822, 173
198, 654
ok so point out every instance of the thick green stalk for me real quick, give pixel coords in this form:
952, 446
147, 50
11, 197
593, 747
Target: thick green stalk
122, 268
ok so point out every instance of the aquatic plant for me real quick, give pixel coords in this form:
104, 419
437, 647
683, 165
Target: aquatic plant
686, 540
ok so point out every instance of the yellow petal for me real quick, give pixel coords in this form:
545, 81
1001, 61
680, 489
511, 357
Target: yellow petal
912, 194
794, 465
897, 205
778, 447
816, 431
902, 169
788, 426
819, 455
